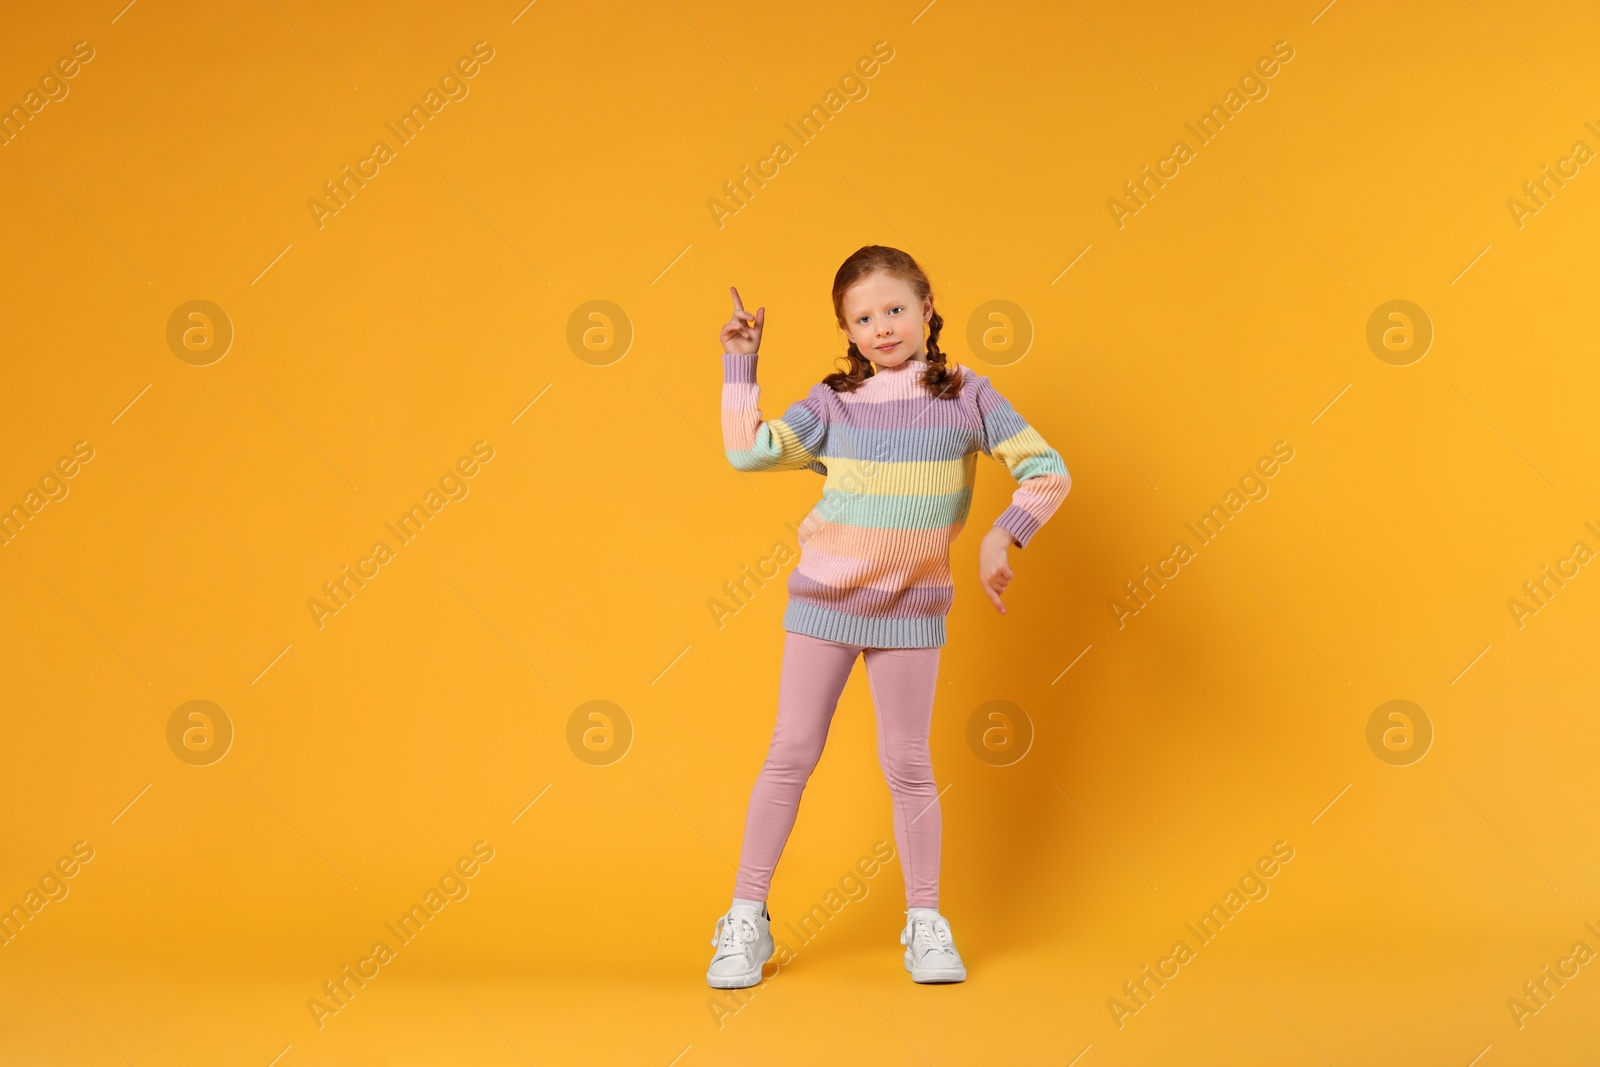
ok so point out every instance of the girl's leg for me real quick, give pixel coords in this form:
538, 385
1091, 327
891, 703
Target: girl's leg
903, 682
814, 675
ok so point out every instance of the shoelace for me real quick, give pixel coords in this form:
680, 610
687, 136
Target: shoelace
933, 935
731, 937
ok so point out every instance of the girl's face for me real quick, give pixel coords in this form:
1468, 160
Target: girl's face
886, 320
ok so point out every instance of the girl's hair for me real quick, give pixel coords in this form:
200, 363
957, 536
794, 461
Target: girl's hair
941, 379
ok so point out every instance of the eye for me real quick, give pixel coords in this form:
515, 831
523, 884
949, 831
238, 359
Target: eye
898, 308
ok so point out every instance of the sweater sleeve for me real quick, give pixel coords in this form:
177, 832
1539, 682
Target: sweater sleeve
793, 442
1043, 479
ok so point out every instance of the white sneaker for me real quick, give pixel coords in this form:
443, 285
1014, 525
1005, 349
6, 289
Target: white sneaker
743, 939
931, 954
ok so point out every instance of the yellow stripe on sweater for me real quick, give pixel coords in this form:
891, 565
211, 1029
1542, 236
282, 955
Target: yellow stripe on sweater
1024, 445
792, 455
908, 478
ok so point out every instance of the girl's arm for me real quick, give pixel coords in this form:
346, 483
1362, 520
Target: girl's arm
1043, 478
793, 442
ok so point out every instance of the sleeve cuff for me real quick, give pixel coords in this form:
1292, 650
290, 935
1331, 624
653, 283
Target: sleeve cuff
1019, 524
739, 366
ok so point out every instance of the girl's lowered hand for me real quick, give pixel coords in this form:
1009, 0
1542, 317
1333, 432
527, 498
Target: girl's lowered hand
742, 334
994, 573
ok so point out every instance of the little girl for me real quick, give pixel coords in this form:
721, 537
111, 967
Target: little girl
898, 437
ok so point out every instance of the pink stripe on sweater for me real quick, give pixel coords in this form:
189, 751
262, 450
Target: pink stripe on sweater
863, 542
740, 416
824, 566
1041, 495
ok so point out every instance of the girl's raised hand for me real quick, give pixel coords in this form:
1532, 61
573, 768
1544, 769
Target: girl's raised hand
742, 334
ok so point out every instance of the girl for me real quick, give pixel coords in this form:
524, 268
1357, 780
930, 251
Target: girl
898, 437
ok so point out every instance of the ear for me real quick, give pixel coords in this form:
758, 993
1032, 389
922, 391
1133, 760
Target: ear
927, 308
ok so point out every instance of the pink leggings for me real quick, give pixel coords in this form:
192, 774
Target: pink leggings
902, 681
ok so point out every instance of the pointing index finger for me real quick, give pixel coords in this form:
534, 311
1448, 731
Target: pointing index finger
737, 306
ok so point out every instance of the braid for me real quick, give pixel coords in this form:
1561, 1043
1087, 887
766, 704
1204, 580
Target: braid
941, 378
848, 381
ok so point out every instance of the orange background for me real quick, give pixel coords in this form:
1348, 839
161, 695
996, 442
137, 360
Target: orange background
434, 311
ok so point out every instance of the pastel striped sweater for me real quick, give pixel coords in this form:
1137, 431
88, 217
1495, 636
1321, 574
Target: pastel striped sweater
874, 565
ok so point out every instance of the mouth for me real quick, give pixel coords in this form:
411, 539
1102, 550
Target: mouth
891, 346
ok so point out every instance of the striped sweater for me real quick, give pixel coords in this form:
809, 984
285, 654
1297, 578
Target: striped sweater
874, 566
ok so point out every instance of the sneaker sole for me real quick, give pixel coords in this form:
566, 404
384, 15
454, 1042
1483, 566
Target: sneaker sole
931, 975
745, 979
